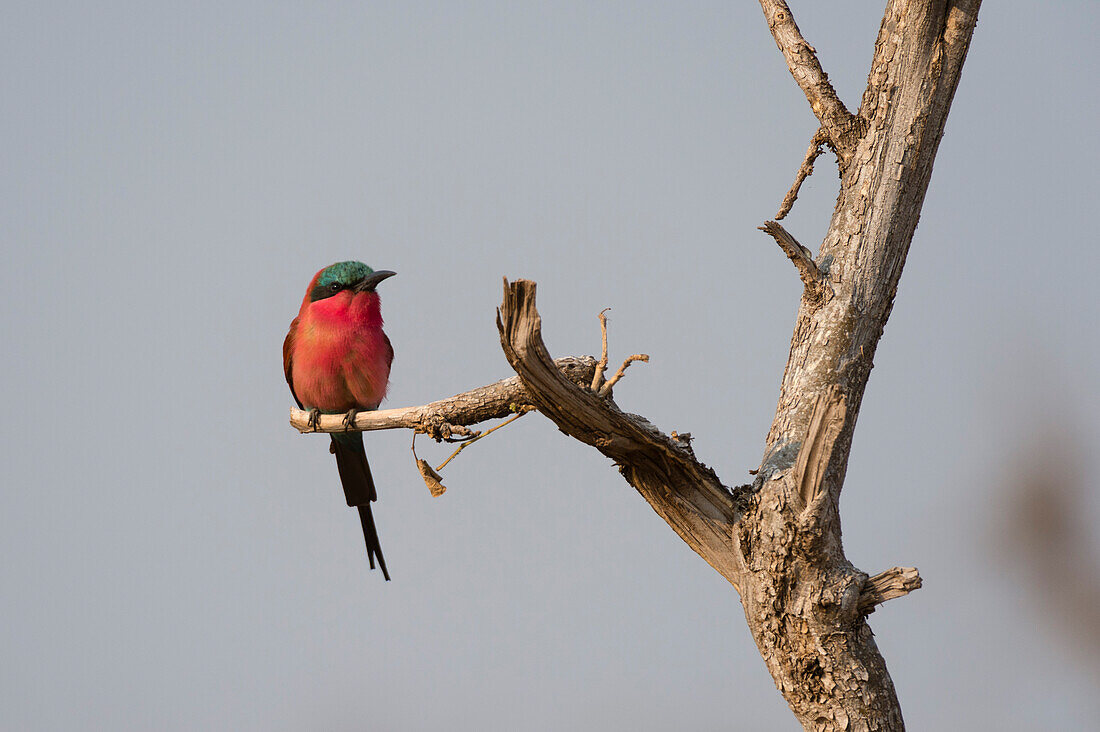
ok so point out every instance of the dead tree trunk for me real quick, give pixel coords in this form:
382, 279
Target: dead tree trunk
778, 541
799, 592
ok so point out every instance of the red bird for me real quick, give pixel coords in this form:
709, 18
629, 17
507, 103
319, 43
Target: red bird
337, 361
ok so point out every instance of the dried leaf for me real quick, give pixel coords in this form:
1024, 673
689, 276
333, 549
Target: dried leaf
431, 478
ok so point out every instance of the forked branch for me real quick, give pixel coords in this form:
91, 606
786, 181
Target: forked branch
605, 390
841, 125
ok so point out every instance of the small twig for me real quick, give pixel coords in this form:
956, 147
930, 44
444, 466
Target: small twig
469, 442
892, 583
453, 433
601, 365
599, 386
464, 438
606, 388
805, 170
815, 281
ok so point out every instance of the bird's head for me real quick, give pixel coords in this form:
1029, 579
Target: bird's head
351, 277
343, 293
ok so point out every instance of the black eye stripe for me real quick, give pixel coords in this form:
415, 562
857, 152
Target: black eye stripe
321, 292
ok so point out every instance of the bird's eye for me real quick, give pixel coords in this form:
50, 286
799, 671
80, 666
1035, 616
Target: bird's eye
335, 287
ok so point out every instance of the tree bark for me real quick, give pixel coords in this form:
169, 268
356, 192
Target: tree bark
800, 594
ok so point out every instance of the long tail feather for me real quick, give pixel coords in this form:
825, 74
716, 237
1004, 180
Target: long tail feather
370, 533
359, 489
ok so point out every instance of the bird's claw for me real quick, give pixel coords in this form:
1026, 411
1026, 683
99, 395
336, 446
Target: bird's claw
314, 421
349, 419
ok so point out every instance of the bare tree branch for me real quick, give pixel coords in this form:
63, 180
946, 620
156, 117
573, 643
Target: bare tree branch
606, 388
664, 470
501, 399
817, 284
841, 125
817, 143
601, 365
892, 583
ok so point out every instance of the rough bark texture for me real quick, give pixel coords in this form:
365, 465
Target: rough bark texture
780, 549
683, 491
778, 541
799, 593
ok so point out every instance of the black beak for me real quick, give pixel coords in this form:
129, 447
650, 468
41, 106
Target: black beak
368, 283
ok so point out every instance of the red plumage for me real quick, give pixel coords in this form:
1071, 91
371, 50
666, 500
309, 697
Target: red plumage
337, 359
336, 356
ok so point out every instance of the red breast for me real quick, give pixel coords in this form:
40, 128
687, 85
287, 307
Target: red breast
341, 357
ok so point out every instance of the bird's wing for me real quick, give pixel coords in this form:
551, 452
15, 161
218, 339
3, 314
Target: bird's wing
389, 349
288, 353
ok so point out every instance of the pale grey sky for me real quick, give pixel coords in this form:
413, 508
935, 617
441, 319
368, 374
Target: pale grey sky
175, 556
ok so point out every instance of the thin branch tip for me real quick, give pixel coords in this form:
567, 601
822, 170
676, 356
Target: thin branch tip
606, 388
600, 387
601, 365
477, 437
805, 170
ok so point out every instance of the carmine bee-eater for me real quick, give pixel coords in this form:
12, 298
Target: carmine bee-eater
337, 361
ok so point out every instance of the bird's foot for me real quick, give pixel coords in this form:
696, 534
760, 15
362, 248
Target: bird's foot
314, 421
349, 419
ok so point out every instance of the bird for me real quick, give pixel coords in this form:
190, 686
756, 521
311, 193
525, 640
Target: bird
337, 360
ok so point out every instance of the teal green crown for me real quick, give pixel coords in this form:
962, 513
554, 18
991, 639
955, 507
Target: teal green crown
345, 274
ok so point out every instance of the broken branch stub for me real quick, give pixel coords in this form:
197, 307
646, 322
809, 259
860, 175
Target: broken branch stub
892, 583
817, 288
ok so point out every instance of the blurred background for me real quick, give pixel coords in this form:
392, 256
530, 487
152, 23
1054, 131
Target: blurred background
174, 556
